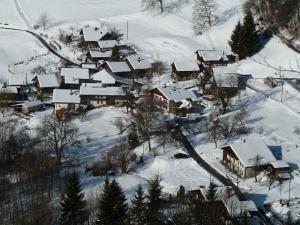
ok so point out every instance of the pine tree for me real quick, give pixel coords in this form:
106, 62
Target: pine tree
211, 193
154, 201
112, 207
73, 206
138, 210
250, 37
235, 40
289, 218
115, 55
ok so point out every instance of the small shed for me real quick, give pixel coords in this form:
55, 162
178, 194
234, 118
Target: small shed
185, 70
280, 169
32, 106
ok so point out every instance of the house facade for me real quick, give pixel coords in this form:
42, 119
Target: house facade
185, 70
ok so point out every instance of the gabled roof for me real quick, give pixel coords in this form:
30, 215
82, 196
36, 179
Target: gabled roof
190, 66
139, 62
101, 91
93, 33
104, 76
118, 67
73, 75
212, 55
20, 79
280, 164
66, 96
100, 54
30, 104
176, 93
89, 65
107, 43
226, 76
8, 89
251, 148
48, 81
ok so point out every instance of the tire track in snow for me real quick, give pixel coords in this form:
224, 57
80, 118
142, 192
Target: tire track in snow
21, 13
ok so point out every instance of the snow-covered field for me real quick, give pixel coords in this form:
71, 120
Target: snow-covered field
167, 37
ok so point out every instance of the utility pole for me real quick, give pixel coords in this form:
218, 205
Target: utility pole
290, 180
127, 25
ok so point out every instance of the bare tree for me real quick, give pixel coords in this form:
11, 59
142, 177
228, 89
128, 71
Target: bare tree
204, 15
213, 129
153, 4
224, 90
158, 68
57, 131
44, 20
123, 155
256, 165
260, 130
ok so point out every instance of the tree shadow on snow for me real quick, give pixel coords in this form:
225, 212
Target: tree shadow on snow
259, 199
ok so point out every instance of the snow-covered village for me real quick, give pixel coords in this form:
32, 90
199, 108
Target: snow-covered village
149, 112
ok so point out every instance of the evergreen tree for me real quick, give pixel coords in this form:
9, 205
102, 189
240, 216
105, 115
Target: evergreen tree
112, 207
289, 218
211, 193
138, 210
181, 193
73, 206
245, 220
250, 37
115, 55
154, 201
236, 39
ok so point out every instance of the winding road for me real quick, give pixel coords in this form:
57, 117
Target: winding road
44, 42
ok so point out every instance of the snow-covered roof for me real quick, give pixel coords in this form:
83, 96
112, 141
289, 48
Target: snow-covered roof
101, 91
100, 54
104, 76
66, 96
213, 55
48, 81
73, 75
89, 65
176, 93
279, 164
8, 89
94, 33
107, 43
227, 80
251, 148
118, 67
186, 66
139, 62
20, 79
30, 104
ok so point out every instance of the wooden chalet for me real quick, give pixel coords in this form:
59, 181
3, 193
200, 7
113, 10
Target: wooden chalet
139, 65
174, 98
185, 70
212, 58
120, 68
280, 170
246, 157
73, 77
65, 99
89, 36
45, 84
97, 96
95, 55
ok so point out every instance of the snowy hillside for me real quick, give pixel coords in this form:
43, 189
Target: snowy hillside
167, 37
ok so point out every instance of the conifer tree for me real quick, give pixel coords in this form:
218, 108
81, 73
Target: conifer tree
112, 208
73, 206
138, 210
250, 37
289, 218
211, 193
236, 39
154, 201
115, 55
